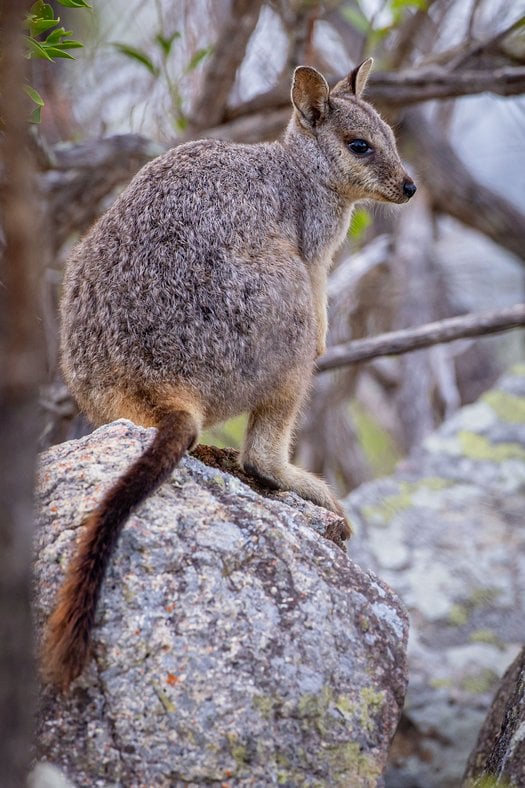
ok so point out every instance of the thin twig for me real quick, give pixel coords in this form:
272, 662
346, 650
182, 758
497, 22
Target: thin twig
397, 342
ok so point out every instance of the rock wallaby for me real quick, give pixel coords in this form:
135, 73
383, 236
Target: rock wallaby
201, 294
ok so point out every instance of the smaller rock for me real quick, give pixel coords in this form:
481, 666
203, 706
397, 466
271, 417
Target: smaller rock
499, 753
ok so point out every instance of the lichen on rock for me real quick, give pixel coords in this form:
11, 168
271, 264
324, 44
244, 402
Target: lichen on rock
229, 647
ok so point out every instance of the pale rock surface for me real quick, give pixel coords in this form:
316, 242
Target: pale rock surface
234, 644
447, 532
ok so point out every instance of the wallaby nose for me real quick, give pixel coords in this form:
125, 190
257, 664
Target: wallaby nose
409, 188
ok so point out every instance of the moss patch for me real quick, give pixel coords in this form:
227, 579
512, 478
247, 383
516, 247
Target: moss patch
371, 703
508, 407
404, 499
458, 615
476, 447
334, 717
264, 706
518, 369
480, 683
486, 636
347, 761
376, 442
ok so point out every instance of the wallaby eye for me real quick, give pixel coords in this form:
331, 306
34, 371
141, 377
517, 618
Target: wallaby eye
360, 147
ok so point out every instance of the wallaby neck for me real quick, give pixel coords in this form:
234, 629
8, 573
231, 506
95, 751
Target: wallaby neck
323, 213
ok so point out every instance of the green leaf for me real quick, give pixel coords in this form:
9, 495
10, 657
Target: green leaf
197, 59
400, 5
37, 99
37, 50
57, 51
55, 36
181, 123
361, 221
139, 56
166, 42
36, 115
357, 19
41, 17
37, 26
68, 43
42, 10
74, 3
34, 95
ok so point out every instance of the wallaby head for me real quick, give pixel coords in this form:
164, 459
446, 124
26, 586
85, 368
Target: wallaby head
356, 148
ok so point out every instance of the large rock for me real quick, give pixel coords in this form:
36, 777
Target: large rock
234, 645
447, 532
499, 755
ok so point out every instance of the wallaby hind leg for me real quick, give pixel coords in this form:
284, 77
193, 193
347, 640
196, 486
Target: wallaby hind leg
266, 451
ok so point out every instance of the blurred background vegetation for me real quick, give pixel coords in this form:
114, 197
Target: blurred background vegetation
449, 76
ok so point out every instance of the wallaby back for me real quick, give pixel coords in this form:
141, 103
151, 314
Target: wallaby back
201, 294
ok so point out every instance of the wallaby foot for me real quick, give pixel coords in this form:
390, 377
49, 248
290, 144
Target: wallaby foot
290, 477
266, 449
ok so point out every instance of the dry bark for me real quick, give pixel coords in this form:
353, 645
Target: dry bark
20, 372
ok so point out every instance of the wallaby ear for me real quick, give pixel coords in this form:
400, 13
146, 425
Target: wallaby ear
356, 81
310, 93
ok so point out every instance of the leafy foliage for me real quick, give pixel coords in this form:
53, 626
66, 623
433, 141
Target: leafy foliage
395, 9
46, 40
157, 64
58, 41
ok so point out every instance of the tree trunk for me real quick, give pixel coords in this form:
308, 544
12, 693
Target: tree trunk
20, 372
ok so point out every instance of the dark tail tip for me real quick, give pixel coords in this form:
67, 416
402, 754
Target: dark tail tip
67, 640
64, 651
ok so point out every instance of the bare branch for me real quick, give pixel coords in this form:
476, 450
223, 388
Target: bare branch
396, 342
221, 69
403, 88
251, 128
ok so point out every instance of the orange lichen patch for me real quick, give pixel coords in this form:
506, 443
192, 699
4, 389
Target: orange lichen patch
171, 679
169, 608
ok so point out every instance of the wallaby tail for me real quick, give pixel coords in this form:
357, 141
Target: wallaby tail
68, 636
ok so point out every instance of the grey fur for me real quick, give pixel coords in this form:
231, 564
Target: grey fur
207, 275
